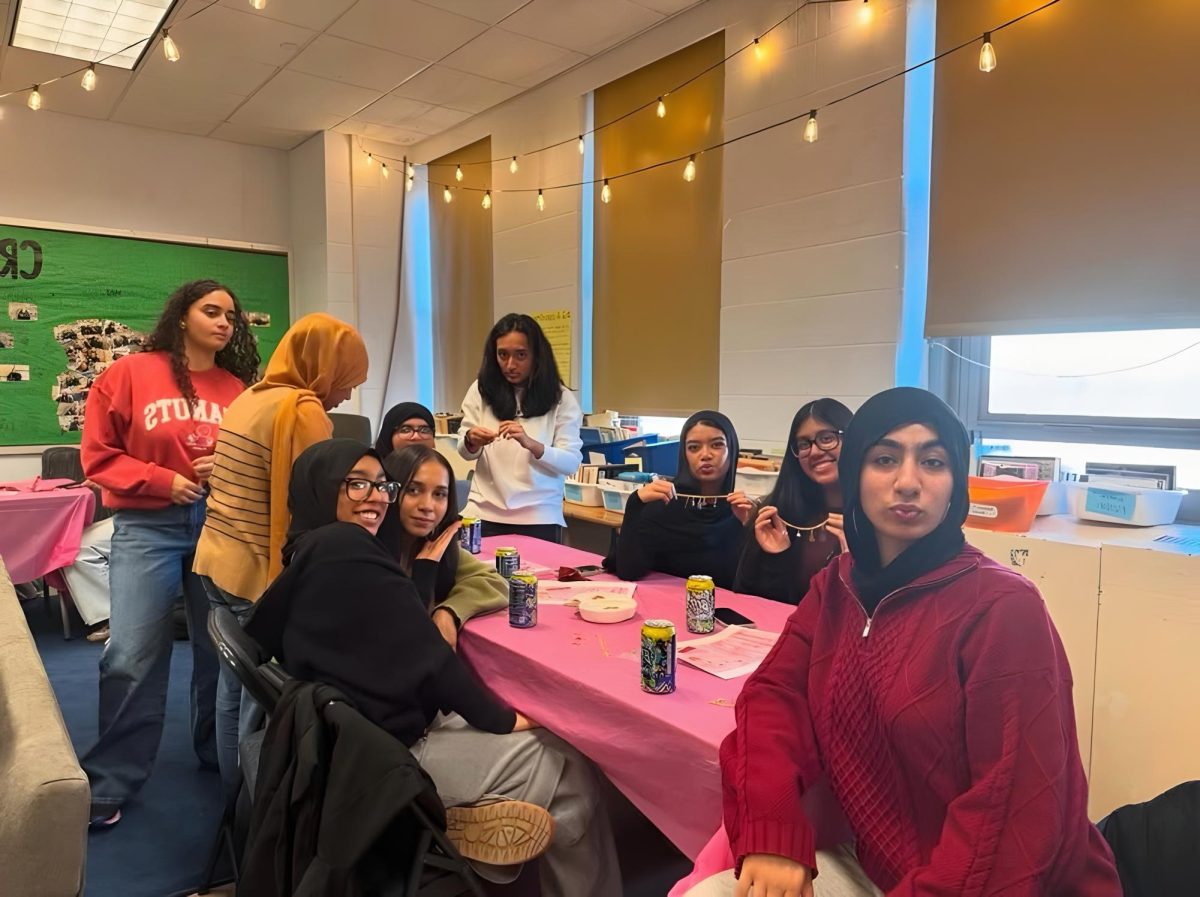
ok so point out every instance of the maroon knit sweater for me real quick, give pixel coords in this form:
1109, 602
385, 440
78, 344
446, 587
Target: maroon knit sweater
945, 727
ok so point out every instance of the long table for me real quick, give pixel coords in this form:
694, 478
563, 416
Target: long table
582, 681
41, 525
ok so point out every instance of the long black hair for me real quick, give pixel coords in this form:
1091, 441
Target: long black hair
544, 387
401, 466
239, 357
798, 498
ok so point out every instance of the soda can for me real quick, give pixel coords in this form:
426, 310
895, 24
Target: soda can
701, 604
658, 657
471, 534
508, 561
522, 599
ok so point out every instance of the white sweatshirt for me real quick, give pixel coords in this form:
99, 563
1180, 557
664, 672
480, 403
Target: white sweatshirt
510, 484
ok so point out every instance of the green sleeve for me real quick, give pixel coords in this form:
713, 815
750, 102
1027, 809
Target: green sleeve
478, 589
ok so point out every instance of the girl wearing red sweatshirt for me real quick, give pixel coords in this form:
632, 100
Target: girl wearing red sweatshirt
927, 687
151, 423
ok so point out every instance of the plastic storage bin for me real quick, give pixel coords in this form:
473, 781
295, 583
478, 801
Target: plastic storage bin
1057, 499
614, 452
616, 493
755, 483
1126, 504
1003, 504
582, 494
661, 457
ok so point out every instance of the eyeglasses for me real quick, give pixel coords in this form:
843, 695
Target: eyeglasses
825, 440
360, 490
410, 432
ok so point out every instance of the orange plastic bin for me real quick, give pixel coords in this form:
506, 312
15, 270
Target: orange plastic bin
1004, 504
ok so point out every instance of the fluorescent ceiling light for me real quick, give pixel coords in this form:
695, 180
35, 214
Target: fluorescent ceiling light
90, 30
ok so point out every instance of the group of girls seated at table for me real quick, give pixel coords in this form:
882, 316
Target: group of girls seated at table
924, 685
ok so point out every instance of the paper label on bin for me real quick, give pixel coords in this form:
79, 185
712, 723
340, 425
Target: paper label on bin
988, 512
1111, 503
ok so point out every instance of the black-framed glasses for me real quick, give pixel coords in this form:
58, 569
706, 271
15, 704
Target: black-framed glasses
825, 441
359, 489
409, 432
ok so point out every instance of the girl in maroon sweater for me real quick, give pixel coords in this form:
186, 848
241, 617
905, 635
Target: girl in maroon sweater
927, 686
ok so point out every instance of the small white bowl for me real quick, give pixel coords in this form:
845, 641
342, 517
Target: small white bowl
607, 609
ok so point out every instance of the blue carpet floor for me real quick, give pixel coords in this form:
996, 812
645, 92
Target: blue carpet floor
162, 842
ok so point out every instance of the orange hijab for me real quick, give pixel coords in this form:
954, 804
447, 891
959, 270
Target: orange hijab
318, 355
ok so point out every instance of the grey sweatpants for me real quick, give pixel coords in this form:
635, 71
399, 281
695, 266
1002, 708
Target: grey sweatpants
469, 766
838, 875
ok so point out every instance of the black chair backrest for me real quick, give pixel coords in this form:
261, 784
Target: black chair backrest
352, 426
242, 657
62, 462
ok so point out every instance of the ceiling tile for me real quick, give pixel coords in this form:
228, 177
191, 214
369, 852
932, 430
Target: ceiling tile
175, 106
490, 11
214, 69
406, 27
392, 110
239, 35
300, 102
386, 133
440, 86
504, 56
314, 14
257, 135
581, 25
667, 7
352, 63
436, 120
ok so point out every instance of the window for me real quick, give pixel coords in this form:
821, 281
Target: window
1119, 396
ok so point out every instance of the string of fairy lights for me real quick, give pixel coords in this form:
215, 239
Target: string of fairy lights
810, 133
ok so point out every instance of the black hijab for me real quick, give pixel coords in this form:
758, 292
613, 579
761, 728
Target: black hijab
880, 415
317, 476
397, 415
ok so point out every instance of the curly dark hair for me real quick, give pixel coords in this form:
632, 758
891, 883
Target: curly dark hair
544, 388
239, 357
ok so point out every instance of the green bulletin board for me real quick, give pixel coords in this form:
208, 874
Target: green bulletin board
70, 303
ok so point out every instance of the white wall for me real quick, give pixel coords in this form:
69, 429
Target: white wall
811, 271
71, 171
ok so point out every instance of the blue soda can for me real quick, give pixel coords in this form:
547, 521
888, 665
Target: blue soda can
658, 657
522, 600
471, 534
508, 561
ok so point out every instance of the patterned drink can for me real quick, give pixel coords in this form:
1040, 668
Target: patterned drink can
701, 604
658, 657
471, 534
522, 599
508, 561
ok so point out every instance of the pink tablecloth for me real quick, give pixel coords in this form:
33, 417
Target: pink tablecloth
582, 681
40, 526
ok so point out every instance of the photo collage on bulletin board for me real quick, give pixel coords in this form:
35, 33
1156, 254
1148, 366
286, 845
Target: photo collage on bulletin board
73, 303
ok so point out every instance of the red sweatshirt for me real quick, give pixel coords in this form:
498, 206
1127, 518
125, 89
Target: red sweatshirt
945, 727
138, 431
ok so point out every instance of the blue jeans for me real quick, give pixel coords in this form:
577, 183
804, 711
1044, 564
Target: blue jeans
151, 566
238, 714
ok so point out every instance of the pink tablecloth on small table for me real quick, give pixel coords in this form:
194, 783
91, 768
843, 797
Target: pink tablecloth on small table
582, 681
41, 525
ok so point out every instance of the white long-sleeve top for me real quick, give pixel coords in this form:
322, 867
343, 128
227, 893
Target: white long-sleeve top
510, 484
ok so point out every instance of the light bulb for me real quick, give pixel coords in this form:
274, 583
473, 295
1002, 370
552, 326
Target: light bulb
458, 175
512, 166
411, 170
662, 108
760, 51
384, 170
408, 184
259, 4
170, 50
987, 54
605, 192
541, 202
810, 129
35, 99
89, 79
865, 12
446, 195
689, 170
582, 145
370, 158
487, 199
